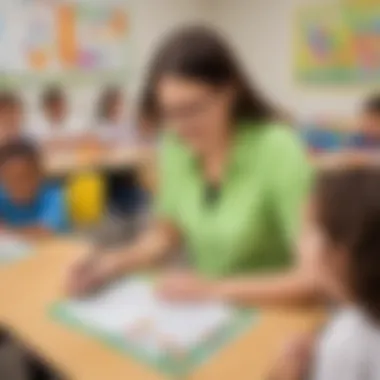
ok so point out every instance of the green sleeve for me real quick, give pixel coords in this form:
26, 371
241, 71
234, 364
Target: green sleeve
168, 179
290, 185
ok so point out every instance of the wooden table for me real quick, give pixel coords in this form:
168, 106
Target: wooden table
27, 289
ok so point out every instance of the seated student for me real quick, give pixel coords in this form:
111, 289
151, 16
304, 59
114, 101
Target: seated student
369, 135
113, 122
147, 126
55, 123
344, 217
29, 205
11, 117
114, 127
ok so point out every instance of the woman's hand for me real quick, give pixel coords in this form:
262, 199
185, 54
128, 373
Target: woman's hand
93, 270
90, 272
186, 286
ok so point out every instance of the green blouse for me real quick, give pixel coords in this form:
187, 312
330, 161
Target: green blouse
253, 224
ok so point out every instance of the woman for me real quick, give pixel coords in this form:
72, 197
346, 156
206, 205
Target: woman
232, 181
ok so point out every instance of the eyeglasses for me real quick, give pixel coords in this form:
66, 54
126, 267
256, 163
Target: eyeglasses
191, 111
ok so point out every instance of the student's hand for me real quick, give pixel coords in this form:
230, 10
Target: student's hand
294, 360
185, 286
89, 273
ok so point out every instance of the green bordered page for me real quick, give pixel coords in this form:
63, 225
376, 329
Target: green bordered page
171, 337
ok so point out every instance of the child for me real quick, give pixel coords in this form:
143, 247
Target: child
11, 117
28, 204
55, 123
345, 216
369, 136
114, 127
113, 124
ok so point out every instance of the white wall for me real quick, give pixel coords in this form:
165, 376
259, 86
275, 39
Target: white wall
261, 31
153, 19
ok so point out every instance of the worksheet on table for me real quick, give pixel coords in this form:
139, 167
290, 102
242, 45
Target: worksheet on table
174, 337
133, 309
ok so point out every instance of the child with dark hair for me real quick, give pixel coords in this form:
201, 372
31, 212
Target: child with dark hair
369, 135
28, 204
347, 217
55, 122
11, 116
54, 104
112, 118
114, 127
343, 220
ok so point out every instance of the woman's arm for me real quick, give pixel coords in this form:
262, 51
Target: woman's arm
300, 284
294, 287
95, 269
153, 246
286, 288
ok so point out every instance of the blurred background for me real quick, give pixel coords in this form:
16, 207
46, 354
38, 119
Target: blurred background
282, 43
80, 65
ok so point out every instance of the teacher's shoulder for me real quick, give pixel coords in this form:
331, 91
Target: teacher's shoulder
173, 152
280, 137
170, 143
280, 141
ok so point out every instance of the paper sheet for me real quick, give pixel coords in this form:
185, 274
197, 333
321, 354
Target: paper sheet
132, 309
12, 249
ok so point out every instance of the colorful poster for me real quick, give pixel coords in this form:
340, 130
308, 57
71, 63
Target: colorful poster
338, 45
64, 37
101, 35
40, 37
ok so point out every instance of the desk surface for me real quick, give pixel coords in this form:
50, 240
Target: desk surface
29, 287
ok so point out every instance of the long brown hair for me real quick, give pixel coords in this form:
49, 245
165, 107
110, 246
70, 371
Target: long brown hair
348, 204
201, 54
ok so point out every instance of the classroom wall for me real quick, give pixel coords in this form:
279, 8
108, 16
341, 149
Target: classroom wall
153, 19
150, 20
261, 31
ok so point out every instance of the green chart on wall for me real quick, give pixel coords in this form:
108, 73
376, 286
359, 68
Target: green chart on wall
338, 44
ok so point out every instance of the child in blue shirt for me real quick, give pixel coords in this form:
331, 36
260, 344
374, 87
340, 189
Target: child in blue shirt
369, 135
29, 205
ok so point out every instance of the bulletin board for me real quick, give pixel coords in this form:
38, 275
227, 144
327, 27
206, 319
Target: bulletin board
338, 44
63, 40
